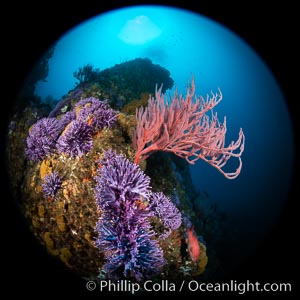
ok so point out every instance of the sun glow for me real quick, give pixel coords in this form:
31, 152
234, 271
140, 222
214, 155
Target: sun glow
139, 30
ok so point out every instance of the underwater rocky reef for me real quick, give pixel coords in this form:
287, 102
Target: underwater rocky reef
103, 177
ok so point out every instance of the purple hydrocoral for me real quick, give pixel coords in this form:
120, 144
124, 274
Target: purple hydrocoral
124, 231
96, 112
76, 140
166, 211
51, 184
66, 119
93, 103
42, 138
91, 115
124, 177
77, 127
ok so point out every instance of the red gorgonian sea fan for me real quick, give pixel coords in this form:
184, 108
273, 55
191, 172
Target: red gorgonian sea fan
184, 128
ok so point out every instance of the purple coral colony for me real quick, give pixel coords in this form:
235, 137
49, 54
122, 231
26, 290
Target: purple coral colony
125, 234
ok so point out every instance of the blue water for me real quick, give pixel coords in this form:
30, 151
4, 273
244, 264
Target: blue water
189, 44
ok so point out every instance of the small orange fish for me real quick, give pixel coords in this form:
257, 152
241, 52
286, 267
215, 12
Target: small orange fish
193, 245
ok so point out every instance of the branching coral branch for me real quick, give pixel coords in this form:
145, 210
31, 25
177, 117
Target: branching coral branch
125, 234
184, 128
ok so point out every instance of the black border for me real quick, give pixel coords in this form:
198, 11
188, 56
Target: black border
31, 27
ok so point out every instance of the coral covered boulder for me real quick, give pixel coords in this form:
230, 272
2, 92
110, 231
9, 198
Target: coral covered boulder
108, 193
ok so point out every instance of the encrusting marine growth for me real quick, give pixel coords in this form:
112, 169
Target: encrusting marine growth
125, 230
